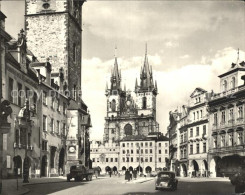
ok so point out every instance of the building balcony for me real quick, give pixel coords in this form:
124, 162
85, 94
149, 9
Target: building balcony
228, 93
228, 149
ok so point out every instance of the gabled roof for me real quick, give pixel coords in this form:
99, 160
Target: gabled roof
198, 90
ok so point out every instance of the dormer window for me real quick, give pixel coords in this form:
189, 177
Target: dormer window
233, 82
224, 85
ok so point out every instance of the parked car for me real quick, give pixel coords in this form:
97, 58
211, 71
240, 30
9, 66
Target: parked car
153, 174
166, 180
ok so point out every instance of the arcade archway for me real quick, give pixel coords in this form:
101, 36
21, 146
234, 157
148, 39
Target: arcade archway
183, 170
139, 169
44, 166
17, 165
148, 169
61, 161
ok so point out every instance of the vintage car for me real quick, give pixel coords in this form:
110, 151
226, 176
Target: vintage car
166, 180
79, 172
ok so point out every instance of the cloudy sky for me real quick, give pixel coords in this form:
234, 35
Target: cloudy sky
189, 44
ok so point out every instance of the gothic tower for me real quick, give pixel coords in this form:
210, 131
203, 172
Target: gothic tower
146, 91
53, 30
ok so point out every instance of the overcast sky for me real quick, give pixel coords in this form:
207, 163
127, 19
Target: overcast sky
189, 44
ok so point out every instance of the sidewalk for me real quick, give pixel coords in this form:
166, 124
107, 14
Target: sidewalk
201, 179
10, 185
138, 180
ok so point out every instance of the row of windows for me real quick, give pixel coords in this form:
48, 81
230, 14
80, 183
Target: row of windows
20, 94
142, 151
204, 131
55, 103
197, 115
107, 159
204, 148
231, 115
224, 140
21, 139
231, 86
54, 128
146, 159
142, 144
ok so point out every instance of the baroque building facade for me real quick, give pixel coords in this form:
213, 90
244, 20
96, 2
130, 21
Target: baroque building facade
227, 124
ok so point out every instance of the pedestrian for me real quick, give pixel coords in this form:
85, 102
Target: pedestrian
96, 173
127, 175
110, 173
135, 173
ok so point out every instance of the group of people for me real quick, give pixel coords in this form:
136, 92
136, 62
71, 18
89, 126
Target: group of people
130, 174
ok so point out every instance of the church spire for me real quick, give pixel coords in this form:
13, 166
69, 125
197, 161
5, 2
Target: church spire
116, 75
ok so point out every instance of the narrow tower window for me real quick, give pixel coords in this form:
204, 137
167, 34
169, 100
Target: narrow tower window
113, 105
144, 102
74, 52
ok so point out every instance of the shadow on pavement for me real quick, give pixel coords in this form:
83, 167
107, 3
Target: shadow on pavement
49, 188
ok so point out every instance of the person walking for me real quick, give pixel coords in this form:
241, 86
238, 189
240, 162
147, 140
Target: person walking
110, 173
127, 175
135, 173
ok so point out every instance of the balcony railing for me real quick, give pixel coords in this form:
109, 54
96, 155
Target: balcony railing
228, 93
227, 149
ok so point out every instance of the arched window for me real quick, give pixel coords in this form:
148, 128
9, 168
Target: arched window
224, 85
113, 105
128, 129
144, 102
233, 82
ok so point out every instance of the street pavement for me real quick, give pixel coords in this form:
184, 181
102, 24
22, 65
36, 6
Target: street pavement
116, 185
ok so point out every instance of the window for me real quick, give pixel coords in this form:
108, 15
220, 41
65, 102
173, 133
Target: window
64, 129
150, 159
231, 139
146, 159
142, 151
11, 88
197, 149
142, 160
146, 144
150, 144
52, 125
98, 160
44, 123
19, 94
58, 105
45, 98
204, 147
159, 160
204, 129
159, 152
44, 145
127, 151
159, 144
93, 159
144, 103
111, 159
215, 118
166, 151
132, 151
150, 151
222, 140
146, 151
123, 145
224, 85
112, 131
141, 144
231, 114
137, 159
200, 113
166, 144
64, 108
233, 82
132, 144
239, 137
58, 127
240, 112
132, 159
113, 105
191, 149
197, 131
137, 151
127, 159
17, 137
223, 116
197, 115
115, 159
27, 92
194, 116
106, 160
215, 142
191, 132
127, 144
52, 103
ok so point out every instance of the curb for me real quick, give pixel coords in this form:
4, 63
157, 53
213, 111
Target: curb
43, 183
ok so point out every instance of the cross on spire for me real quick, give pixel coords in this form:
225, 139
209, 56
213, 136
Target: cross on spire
237, 56
115, 54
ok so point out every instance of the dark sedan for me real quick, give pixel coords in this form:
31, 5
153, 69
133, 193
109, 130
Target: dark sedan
166, 180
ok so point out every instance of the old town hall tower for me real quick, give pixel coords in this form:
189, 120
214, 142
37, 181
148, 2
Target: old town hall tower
53, 30
128, 115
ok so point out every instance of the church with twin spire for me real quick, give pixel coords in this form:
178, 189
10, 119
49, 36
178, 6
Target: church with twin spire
130, 113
